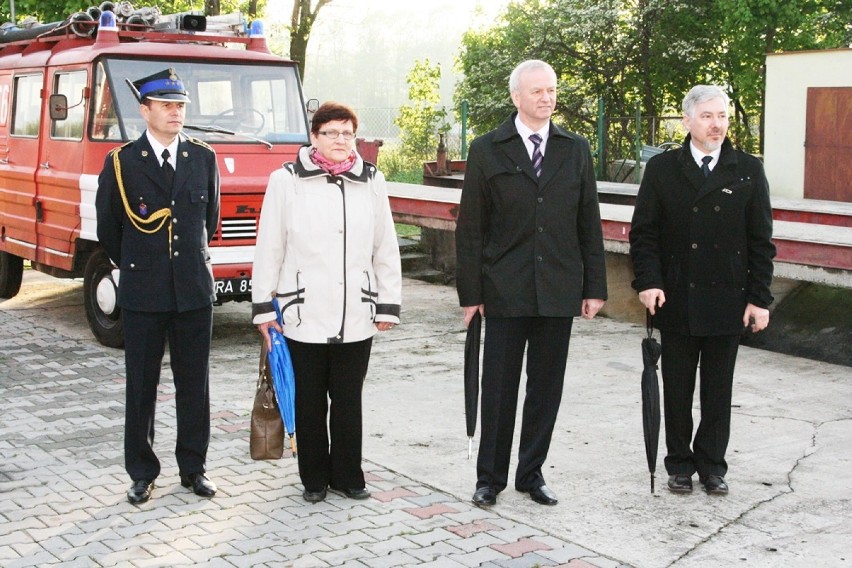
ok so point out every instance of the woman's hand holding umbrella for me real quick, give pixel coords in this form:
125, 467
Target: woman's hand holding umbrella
263, 328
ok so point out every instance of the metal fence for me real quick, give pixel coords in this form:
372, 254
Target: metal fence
378, 124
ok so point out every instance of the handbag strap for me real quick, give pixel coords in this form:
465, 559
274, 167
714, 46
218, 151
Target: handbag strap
262, 365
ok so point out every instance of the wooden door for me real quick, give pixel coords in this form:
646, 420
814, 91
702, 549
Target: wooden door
828, 144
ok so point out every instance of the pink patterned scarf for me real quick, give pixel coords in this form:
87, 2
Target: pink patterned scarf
332, 167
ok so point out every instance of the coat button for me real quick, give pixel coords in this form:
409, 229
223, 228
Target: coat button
538, 258
717, 209
694, 246
177, 253
540, 199
695, 209
175, 237
541, 229
174, 221
692, 284
132, 265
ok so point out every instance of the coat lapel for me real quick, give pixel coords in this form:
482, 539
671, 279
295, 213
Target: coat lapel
556, 154
509, 141
183, 172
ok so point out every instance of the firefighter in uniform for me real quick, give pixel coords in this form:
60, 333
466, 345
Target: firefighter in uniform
158, 207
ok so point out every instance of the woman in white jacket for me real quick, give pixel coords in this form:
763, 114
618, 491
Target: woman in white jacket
327, 254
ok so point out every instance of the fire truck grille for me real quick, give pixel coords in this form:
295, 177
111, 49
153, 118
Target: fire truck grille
238, 229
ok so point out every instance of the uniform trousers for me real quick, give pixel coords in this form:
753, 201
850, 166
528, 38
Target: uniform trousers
546, 342
332, 372
189, 336
681, 356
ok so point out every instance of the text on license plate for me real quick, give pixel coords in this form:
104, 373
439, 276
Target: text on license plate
230, 286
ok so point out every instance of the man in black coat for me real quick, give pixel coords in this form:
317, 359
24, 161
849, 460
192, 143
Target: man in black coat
530, 258
158, 208
702, 255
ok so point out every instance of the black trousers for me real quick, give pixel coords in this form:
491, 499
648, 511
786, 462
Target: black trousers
189, 335
682, 354
546, 343
335, 372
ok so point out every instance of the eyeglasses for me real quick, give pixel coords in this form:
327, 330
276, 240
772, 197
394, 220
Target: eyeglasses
334, 134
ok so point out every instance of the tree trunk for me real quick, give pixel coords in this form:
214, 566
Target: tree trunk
212, 7
301, 21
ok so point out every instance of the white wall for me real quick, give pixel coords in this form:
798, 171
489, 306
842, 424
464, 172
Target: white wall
788, 76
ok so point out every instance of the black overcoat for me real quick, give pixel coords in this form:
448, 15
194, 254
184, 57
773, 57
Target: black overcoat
168, 269
706, 242
529, 246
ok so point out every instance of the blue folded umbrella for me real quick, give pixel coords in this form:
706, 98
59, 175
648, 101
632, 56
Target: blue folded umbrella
283, 380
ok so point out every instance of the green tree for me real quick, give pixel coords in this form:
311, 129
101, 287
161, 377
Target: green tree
422, 120
646, 52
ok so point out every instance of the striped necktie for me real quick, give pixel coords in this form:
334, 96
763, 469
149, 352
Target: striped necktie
537, 157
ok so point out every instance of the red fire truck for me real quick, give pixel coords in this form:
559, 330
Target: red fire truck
65, 102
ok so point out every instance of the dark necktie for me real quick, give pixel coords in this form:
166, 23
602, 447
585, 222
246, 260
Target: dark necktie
167, 167
705, 165
537, 157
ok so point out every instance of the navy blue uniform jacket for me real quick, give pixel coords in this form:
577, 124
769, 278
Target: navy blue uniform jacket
706, 242
529, 246
162, 271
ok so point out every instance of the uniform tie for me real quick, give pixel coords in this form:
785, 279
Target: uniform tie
167, 167
537, 158
705, 165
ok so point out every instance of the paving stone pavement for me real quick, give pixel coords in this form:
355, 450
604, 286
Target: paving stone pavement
62, 485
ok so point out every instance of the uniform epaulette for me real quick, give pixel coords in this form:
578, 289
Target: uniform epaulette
201, 143
118, 149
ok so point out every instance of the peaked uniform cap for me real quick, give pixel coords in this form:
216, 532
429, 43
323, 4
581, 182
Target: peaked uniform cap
163, 86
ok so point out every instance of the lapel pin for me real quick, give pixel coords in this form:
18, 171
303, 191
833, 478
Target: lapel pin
185, 154
143, 209
144, 153
726, 190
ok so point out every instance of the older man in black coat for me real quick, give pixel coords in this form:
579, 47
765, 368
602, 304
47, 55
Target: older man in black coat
158, 208
702, 258
530, 257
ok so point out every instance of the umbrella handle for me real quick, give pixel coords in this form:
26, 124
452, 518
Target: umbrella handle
649, 323
293, 445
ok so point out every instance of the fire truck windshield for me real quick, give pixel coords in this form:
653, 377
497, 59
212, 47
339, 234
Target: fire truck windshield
231, 102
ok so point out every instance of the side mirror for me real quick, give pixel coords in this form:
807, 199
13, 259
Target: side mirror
58, 107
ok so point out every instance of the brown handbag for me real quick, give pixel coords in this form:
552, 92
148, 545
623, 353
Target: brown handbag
267, 428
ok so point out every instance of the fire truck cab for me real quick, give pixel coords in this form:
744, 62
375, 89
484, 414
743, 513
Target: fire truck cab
65, 103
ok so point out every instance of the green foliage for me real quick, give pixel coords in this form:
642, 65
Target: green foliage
398, 165
421, 121
646, 52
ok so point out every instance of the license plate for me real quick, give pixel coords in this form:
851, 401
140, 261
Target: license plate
233, 286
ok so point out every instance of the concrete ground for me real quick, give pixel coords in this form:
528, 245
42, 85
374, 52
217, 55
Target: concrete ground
62, 483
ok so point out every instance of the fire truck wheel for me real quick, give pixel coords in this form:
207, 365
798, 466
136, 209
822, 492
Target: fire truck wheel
11, 273
100, 294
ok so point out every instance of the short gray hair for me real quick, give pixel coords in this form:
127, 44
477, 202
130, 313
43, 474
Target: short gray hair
523, 67
701, 94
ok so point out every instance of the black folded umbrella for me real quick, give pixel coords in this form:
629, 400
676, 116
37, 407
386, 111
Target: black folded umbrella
651, 351
471, 377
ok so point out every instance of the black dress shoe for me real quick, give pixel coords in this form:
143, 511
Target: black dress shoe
314, 496
485, 497
361, 493
140, 491
715, 485
680, 483
199, 483
542, 494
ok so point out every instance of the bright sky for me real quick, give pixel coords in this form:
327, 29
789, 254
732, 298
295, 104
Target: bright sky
381, 39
